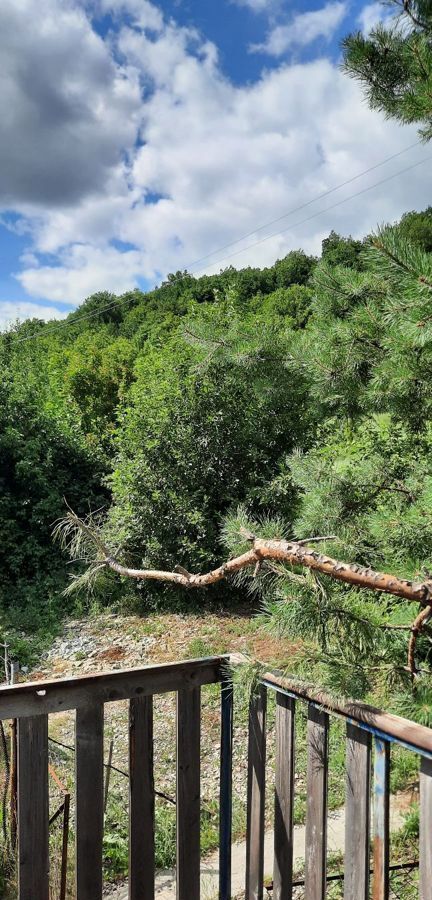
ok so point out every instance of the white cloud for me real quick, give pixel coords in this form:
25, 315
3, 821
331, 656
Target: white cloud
68, 109
303, 29
84, 270
143, 13
214, 161
11, 312
257, 5
372, 14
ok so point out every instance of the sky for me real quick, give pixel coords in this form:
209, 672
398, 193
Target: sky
137, 137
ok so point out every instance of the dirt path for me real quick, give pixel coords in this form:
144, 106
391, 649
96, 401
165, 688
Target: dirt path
165, 881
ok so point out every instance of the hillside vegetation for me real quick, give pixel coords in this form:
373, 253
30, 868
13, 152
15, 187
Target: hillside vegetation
295, 399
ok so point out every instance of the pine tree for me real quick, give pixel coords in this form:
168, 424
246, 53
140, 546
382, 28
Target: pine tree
394, 64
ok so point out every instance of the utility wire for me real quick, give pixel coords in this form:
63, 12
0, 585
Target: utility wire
121, 302
319, 213
308, 203
69, 324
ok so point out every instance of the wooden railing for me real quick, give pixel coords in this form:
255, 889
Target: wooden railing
367, 797
31, 704
367, 730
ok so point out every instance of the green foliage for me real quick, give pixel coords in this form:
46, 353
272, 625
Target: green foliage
366, 478
394, 64
417, 227
290, 401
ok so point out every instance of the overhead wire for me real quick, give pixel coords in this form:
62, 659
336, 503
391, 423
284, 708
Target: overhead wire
120, 302
318, 213
295, 209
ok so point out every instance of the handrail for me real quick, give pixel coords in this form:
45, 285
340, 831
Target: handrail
56, 695
394, 728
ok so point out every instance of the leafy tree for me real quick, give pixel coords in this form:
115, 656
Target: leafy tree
202, 430
40, 464
341, 251
417, 228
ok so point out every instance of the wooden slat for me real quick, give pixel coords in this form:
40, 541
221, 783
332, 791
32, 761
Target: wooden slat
141, 800
71, 693
357, 813
316, 811
225, 815
33, 812
256, 795
284, 798
188, 794
381, 820
426, 829
89, 801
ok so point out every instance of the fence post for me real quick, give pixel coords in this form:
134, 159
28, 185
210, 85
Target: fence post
425, 829
225, 816
381, 824
256, 795
316, 813
188, 793
357, 813
33, 815
284, 798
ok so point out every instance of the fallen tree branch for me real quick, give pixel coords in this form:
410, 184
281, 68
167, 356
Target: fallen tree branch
293, 553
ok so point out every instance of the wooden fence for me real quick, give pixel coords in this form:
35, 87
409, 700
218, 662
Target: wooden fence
367, 798
367, 793
31, 705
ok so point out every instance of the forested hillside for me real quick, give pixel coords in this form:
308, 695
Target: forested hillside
301, 391
296, 400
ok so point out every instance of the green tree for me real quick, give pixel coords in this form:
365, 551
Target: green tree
394, 64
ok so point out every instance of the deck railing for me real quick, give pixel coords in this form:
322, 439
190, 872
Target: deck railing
31, 704
367, 793
367, 797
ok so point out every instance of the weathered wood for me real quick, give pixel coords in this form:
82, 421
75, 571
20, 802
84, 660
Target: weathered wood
284, 798
188, 794
72, 693
33, 812
426, 830
141, 800
357, 813
316, 810
407, 733
381, 820
89, 801
225, 814
256, 795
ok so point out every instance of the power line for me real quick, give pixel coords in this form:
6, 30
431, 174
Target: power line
120, 302
308, 203
319, 213
69, 324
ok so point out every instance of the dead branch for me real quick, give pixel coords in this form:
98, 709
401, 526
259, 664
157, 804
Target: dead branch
292, 553
416, 629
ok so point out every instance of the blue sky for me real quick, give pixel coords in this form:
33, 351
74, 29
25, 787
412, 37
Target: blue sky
138, 136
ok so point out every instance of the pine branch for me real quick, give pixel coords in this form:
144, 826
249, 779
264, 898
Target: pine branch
295, 553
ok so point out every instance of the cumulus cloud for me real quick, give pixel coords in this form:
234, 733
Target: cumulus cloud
213, 160
144, 13
84, 270
303, 29
372, 14
257, 5
12, 312
68, 109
